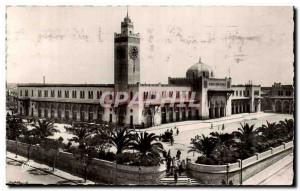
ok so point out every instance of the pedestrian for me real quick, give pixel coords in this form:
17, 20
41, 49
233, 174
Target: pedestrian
178, 154
171, 131
177, 131
180, 170
211, 126
223, 127
175, 177
168, 165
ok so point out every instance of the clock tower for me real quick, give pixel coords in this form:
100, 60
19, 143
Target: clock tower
126, 55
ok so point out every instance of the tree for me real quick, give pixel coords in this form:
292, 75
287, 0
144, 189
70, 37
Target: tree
83, 133
287, 127
120, 137
269, 131
203, 145
54, 145
14, 128
148, 148
30, 139
43, 129
247, 136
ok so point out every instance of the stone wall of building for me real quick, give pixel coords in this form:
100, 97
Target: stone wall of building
100, 171
214, 174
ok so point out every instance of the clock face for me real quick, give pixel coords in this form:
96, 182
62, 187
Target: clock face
121, 52
134, 52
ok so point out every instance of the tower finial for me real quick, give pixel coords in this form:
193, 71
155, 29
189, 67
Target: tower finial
127, 11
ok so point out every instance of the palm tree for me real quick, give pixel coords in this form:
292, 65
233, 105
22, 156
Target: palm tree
148, 148
83, 133
203, 145
120, 137
269, 131
247, 136
288, 127
43, 129
29, 138
14, 128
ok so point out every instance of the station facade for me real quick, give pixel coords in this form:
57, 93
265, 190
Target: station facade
197, 96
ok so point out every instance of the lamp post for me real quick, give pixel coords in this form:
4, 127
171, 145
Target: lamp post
227, 173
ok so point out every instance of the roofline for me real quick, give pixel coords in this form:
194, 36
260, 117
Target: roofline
63, 85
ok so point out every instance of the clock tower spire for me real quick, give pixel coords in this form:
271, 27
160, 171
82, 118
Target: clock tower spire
126, 55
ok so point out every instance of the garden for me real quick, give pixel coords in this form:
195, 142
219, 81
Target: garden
223, 148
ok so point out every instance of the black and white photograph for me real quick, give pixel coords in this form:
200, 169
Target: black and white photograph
170, 96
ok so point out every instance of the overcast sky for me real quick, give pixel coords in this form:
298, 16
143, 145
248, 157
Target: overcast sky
75, 44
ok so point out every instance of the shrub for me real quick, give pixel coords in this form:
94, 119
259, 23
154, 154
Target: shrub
109, 156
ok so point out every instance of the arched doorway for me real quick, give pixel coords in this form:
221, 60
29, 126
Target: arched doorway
39, 110
177, 114
74, 113
278, 106
149, 118
183, 114
67, 112
46, 111
163, 115
211, 113
91, 113
189, 114
171, 114
82, 113
59, 111
286, 107
52, 111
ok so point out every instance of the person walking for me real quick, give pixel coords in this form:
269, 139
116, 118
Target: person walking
178, 154
175, 177
177, 131
180, 170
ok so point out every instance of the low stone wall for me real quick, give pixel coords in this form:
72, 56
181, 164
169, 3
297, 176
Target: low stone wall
99, 170
214, 174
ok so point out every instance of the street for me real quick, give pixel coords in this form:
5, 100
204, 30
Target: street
19, 171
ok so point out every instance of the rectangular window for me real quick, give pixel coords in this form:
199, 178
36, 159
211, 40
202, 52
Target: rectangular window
26, 93
31, 93
177, 94
74, 94
99, 94
52, 93
20, 92
40, 93
59, 93
256, 92
170, 94
82, 94
45, 93
66, 94
91, 94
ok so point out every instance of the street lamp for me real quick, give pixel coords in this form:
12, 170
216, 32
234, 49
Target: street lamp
227, 173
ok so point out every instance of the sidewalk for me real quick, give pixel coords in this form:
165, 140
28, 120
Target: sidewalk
271, 172
59, 173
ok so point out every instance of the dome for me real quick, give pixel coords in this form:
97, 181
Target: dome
199, 70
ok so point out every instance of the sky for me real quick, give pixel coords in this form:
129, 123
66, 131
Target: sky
75, 44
